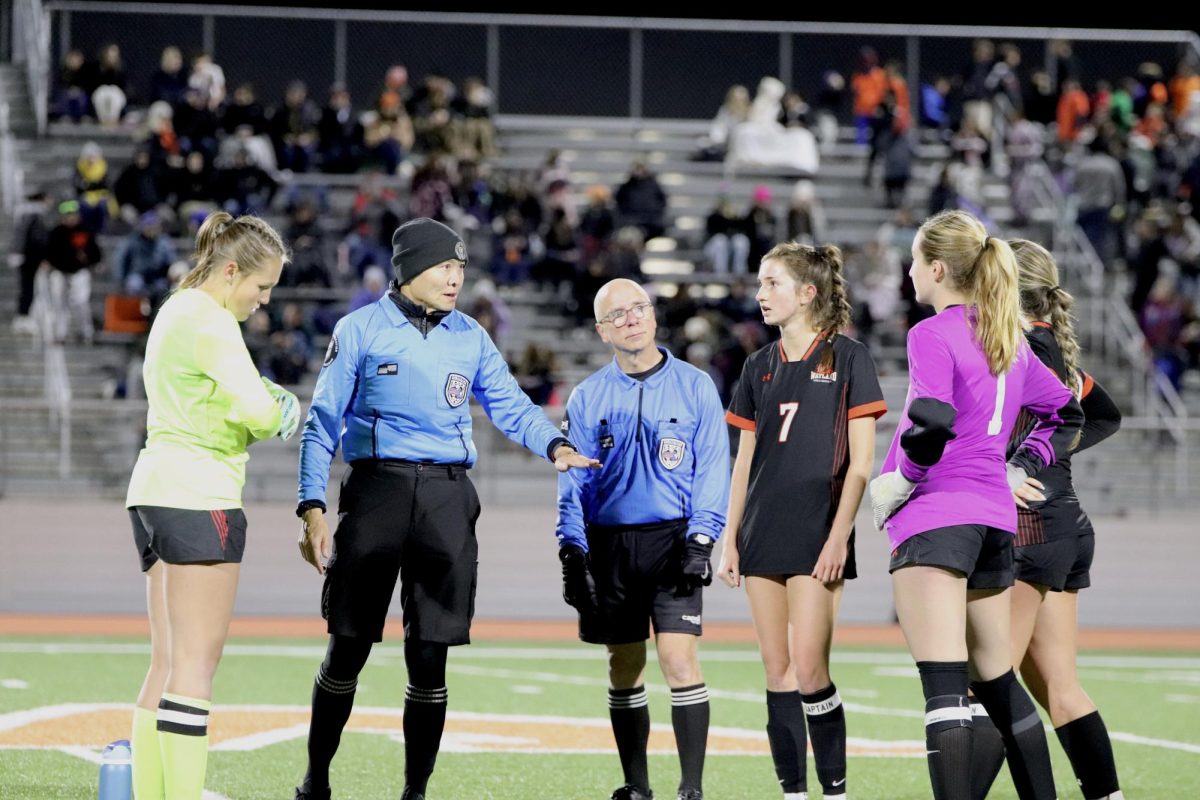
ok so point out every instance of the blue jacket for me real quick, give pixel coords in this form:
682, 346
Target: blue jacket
388, 392
663, 445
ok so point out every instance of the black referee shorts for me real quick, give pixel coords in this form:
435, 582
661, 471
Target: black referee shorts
187, 536
637, 572
982, 553
415, 522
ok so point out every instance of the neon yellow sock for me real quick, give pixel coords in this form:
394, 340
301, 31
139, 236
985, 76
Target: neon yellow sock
183, 740
147, 758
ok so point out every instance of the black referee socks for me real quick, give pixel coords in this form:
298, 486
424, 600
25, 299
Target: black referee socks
689, 717
1090, 752
424, 710
788, 740
630, 717
332, 700
1009, 706
827, 726
948, 728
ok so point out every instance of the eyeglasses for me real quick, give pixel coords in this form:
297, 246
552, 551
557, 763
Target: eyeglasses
619, 317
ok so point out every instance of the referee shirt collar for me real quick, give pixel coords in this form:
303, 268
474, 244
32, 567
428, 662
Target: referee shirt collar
454, 321
655, 379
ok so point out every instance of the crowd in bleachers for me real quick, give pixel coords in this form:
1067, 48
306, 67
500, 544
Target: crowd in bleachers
1129, 156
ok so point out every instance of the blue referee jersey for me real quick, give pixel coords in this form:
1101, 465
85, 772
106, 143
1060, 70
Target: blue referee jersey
664, 449
388, 392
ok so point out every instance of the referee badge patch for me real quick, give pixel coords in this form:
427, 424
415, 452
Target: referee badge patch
670, 452
456, 389
331, 352
460, 251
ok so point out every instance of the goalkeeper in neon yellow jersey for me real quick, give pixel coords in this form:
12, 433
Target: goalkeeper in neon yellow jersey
207, 404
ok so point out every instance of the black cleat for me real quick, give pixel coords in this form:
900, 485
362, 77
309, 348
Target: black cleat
410, 794
690, 794
631, 792
312, 794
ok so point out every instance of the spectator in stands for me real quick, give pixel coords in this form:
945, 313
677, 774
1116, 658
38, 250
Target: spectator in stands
515, 247
340, 133
31, 237
304, 234
886, 126
1004, 80
96, 204
970, 150
208, 79
430, 194
243, 187
169, 82
1149, 251
244, 110
597, 223
1024, 147
374, 286
1100, 189
111, 86
139, 187
291, 347
830, 100
795, 113
74, 98
1182, 85
943, 195
196, 124
193, 188
733, 112
293, 128
897, 168
374, 216
898, 86
434, 120
257, 334
869, 84
727, 246
395, 94
381, 150
976, 96
1152, 89
1182, 238
1066, 65
806, 221
1040, 100
624, 258
560, 261
478, 137
535, 373
144, 256
72, 252
472, 193
1163, 320
761, 225
1074, 109
641, 201
935, 106
587, 285
159, 136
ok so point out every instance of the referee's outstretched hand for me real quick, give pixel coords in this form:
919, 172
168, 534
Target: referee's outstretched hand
315, 541
566, 458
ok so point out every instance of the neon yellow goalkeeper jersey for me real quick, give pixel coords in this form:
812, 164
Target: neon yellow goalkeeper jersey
207, 403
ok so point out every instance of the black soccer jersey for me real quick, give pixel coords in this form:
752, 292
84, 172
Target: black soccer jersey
799, 412
1060, 515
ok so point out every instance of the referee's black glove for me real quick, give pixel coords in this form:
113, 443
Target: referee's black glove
696, 570
578, 588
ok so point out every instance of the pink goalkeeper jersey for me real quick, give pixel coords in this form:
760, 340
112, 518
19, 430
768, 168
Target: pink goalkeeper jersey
968, 484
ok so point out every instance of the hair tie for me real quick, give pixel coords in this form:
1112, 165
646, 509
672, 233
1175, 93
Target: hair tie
1053, 289
986, 239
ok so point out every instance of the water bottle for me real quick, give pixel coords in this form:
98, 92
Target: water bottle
116, 772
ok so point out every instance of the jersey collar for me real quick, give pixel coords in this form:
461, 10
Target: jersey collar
454, 321
653, 380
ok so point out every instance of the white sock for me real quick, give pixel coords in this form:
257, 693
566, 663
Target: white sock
795, 796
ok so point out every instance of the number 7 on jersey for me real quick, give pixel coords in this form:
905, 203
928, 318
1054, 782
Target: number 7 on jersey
788, 412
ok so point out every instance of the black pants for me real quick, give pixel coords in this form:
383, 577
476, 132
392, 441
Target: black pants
415, 522
25, 297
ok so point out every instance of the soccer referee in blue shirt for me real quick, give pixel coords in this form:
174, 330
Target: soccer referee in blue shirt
635, 537
394, 391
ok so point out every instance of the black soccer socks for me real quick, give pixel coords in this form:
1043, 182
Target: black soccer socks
630, 715
827, 727
332, 700
987, 752
788, 739
689, 717
948, 728
1009, 706
1090, 751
